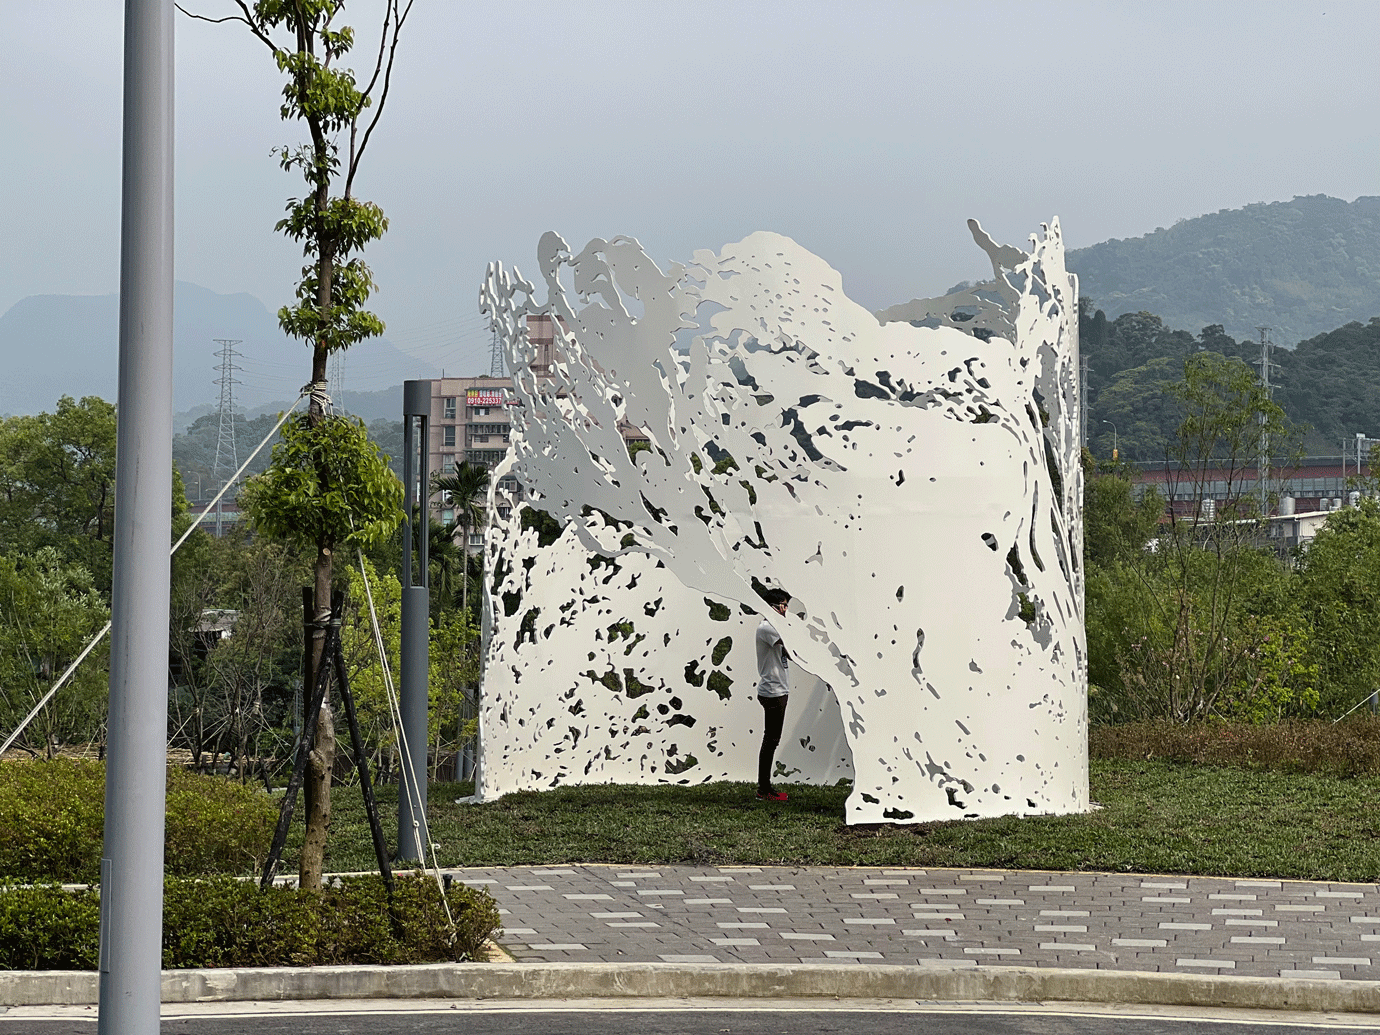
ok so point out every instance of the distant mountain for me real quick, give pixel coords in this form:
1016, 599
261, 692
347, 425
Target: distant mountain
385, 404
55, 345
1301, 268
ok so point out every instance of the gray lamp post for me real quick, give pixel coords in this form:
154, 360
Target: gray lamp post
137, 748
416, 624
1113, 439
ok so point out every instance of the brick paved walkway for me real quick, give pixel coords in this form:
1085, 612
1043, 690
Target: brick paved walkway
1257, 928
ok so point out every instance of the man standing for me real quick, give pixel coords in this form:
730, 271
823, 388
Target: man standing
773, 690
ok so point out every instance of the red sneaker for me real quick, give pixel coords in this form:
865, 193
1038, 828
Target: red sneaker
772, 795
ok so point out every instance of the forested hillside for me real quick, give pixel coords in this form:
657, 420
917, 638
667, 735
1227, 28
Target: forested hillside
194, 452
1331, 382
1301, 267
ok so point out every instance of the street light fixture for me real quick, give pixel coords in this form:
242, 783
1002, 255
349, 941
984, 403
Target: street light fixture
1113, 439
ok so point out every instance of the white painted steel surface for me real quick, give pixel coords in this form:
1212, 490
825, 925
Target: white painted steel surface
911, 477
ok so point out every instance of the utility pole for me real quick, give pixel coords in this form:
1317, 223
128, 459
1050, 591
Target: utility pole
131, 938
1263, 470
227, 456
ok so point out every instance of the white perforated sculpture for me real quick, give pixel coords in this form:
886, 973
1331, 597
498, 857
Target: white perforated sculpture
911, 477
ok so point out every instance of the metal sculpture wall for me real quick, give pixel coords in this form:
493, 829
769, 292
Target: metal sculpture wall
911, 477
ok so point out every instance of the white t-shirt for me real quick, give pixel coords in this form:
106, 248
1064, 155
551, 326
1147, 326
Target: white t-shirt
773, 663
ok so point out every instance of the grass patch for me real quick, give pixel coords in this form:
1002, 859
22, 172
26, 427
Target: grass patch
1157, 817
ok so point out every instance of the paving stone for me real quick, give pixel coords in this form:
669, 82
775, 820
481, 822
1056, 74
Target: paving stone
1249, 923
1219, 964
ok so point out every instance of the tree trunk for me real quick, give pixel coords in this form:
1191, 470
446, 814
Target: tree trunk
317, 785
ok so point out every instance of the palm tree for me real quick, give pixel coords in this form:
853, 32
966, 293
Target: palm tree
467, 490
445, 559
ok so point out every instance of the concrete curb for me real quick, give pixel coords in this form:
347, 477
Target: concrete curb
738, 980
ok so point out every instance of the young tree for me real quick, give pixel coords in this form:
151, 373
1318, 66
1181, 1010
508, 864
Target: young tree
49, 610
1339, 575
1198, 640
328, 486
57, 484
328, 313
224, 697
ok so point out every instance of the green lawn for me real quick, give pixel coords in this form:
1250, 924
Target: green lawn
1156, 817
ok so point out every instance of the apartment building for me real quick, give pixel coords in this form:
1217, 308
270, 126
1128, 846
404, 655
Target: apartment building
469, 424
471, 419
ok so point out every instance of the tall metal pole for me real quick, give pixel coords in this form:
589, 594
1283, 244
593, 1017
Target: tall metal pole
136, 774
416, 622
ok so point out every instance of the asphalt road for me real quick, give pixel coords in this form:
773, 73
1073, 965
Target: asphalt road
693, 1018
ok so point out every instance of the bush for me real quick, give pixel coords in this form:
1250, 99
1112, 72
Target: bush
52, 817
1347, 749
223, 922
215, 825
46, 928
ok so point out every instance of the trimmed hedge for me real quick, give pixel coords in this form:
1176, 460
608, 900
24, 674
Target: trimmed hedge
45, 928
52, 818
1317, 746
223, 922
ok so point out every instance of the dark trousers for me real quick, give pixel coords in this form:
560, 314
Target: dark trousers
775, 709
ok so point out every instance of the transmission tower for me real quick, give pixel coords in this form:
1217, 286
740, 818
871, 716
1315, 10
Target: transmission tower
496, 358
227, 456
1266, 364
338, 381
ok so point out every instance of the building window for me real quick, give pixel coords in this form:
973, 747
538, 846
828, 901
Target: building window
448, 408
447, 434
448, 463
448, 515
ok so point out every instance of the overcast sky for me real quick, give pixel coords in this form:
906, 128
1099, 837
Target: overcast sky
867, 131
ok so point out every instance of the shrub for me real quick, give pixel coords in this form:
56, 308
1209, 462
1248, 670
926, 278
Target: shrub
215, 825
52, 817
44, 927
224, 922
1350, 748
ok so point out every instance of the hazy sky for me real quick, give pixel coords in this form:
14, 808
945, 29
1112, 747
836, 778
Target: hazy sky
867, 131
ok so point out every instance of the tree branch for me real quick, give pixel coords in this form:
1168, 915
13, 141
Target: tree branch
213, 21
248, 19
398, 21
388, 11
